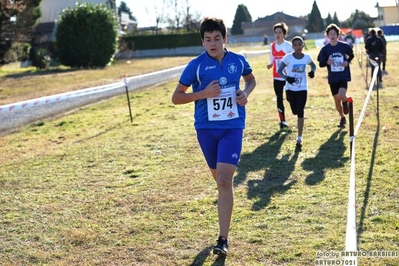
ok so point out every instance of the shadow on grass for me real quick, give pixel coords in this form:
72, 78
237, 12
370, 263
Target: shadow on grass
330, 155
38, 72
369, 176
276, 170
105, 131
204, 254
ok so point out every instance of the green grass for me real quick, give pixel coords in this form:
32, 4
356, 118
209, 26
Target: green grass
91, 188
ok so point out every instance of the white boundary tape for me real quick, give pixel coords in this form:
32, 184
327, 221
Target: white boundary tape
153, 76
57, 97
85, 92
351, 234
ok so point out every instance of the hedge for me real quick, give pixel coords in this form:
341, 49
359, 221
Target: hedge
145, 42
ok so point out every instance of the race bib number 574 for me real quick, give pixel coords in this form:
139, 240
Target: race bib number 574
223, 107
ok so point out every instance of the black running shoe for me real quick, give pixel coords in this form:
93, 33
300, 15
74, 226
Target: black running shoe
342, 123
345, 107
221, 247
299, 143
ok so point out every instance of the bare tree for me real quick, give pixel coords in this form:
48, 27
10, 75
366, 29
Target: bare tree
187, 14
179, 15
175, 18
191, 20
159, 15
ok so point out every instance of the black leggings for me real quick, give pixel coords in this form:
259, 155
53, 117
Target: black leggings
279, 91
297, 100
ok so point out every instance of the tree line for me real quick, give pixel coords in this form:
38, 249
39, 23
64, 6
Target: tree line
315, 22
19, 17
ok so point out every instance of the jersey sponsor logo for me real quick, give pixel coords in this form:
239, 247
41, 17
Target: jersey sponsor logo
231, 114
223, 81
299, 68
232, 69
215, 115
210, 67
336, 54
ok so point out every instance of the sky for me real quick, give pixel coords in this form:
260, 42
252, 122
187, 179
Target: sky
145, 11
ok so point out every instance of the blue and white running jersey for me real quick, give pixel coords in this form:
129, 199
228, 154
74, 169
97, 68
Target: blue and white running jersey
220, 112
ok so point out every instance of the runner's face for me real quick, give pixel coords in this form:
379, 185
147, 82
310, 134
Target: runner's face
279, 34
332, 35
297, 46
214, 44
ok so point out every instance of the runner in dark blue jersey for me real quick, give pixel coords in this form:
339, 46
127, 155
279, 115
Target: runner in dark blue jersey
336, 56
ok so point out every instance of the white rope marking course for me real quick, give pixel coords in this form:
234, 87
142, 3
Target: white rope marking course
135, 82
351, 234
151, 78
58, 97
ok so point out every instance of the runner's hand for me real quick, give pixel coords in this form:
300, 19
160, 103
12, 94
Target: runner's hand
213, 89
242, 98
290, 80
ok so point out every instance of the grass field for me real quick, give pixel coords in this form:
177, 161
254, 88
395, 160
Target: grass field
91, 188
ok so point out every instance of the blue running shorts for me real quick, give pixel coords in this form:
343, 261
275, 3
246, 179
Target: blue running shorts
220, 145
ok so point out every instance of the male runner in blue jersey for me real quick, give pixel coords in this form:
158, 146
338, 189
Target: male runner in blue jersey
219, 112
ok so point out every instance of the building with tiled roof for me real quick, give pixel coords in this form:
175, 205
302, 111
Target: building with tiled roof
264, 26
